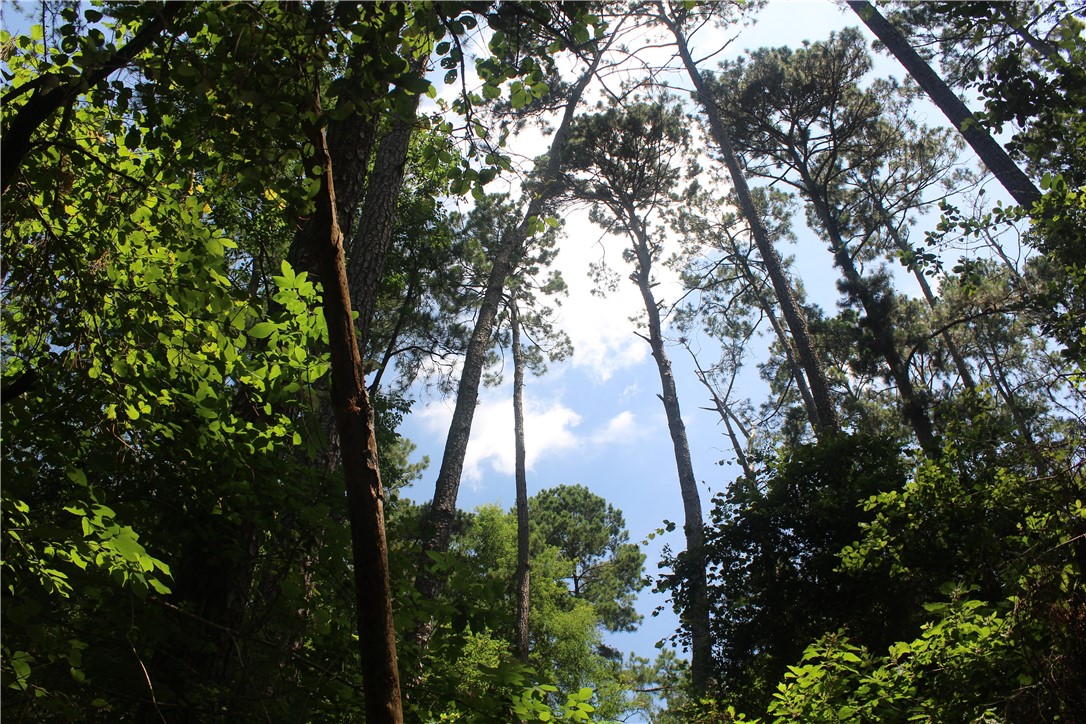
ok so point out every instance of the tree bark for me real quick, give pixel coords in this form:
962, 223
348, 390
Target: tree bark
370, 244
993, 156
523, 631
438, 526
365, 497
797, 324
50, 94
696, 615
350, 144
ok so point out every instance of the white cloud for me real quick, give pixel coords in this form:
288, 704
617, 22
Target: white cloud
620, 428
551, 428
548, 428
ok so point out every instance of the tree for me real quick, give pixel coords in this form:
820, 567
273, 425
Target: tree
446, 487
677, 20
991, 153
623, 162
773, 545
590, 534
731, 298
803, 113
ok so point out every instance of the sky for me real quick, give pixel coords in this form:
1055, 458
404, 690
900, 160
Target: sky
595, 419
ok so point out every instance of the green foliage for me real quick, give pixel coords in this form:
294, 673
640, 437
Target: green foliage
590, 535
772, 554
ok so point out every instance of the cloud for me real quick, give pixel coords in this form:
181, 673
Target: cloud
548, 428
620, 428
551, 428
600, 326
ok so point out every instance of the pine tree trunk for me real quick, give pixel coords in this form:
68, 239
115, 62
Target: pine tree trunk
437, 529
786, 343
370, 243
523, 542
696, 615
797, 324
914, 404
991, 153
365, 497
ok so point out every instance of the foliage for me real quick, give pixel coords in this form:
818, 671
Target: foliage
590, 536
997, 553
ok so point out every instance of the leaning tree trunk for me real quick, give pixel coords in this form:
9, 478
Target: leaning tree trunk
955, 353
727, 415
794, 366
696, 615
523, 541
438, 526
365, 497
797, 324
991, 153
914, 405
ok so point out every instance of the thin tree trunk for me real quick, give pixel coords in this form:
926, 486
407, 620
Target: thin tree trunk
797, 324
696, 615
523, 541
999, 381
1016, 182
438, 526
785, 340
365, 497
955, 353
726, 415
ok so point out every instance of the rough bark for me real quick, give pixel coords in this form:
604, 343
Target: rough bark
350, 143
438, 526
696, 615
50, 94
365, 497
797, 324
523, 582
993, 156
370, 243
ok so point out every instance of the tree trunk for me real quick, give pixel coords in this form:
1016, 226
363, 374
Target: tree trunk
438, 526
370, 243
914, 405
955, 353
797, 324
991, 153
523, 541
365, 497
726, 415
783, 337
696, 615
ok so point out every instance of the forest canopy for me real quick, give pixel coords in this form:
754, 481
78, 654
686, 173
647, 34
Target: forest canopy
243, 243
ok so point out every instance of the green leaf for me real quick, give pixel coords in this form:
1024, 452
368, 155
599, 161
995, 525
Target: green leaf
261, 330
